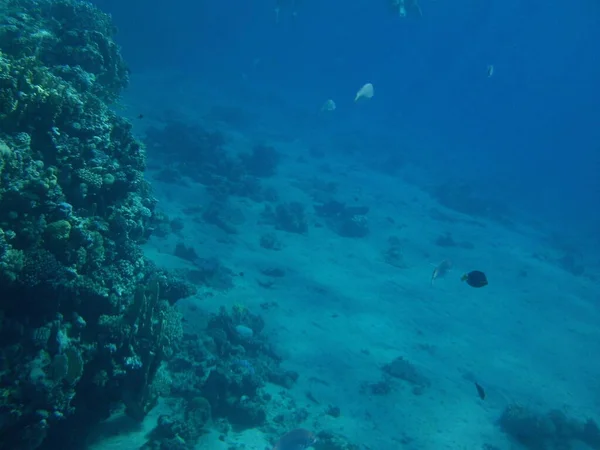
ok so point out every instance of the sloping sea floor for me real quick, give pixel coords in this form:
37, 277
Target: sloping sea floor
344, 311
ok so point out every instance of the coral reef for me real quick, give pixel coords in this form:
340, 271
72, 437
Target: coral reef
290, 217
270, 241
403, 369
218, 375
262, 161
447, 241
552, 430
85, 321
347, 221
209, 272
223, 216
183, 150
399, 369
393, 254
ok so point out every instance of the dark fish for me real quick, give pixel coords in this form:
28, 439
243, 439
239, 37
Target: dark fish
480, 391
475, 279
140, 116
297, 439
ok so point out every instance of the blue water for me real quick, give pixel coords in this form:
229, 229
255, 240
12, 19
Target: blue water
524, 141
235, 253
529, 135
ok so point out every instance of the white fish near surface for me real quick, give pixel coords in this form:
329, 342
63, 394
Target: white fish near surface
329, 105
367, 91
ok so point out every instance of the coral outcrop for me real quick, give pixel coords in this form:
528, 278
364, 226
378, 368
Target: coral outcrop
84, 322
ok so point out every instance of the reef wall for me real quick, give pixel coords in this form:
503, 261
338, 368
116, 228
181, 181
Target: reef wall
85, 319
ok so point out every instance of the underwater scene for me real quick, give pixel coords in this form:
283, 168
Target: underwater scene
299, 224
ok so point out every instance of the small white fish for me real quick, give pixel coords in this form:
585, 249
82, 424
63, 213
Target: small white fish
367, 91
329, 105
440, 270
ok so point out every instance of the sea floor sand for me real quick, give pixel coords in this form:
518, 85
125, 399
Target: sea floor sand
344, 312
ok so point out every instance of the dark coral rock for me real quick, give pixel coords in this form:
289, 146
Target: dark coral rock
262, 161
171, 433
274, 272
283, 378
234, 398
382, 387
333, 411
393, 254
527, 427
212, 273
346, 221
248, 415
445, 240
195, 152
270, 242
590, 434
403, 369
356, 226
177, 225
160, 225
249, 187
184, 252
222, 215
174, 288
290, 217
552, 430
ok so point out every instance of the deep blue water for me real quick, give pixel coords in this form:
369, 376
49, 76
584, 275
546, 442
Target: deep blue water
529, 136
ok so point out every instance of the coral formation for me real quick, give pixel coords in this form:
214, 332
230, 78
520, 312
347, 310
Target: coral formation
393, 254
270, 241
219, 374
262, 161
550, 430
290, 217
347, 221
191, 151
86, 321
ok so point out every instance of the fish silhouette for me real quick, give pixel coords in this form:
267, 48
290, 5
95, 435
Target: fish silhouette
480, 391
440, 270
475, 278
